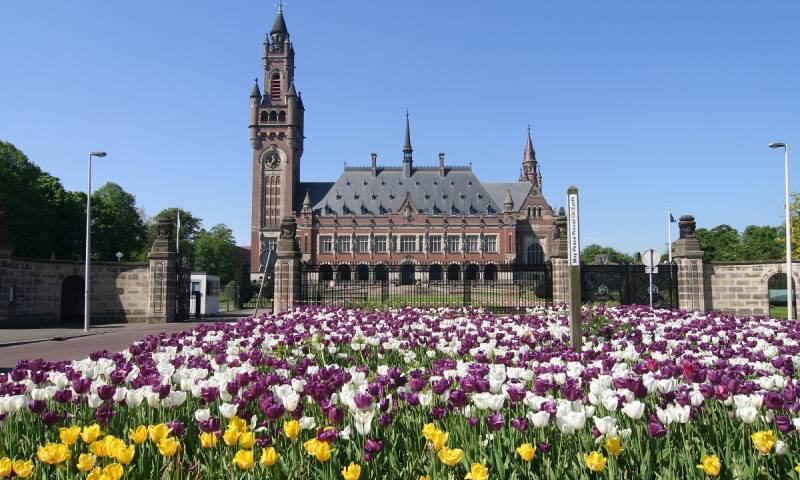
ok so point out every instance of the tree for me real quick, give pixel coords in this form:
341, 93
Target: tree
43, 218
590, 253
191, 226
215, 252
721, 243
117, 225
762, 243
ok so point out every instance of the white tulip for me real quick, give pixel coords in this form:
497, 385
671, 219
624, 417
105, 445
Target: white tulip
634, 409
133, 398
202, 414
780, 448
307, 423
538, 419
228, 410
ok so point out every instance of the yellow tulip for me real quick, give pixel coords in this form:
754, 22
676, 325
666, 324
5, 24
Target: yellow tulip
114, 471
527, 451
168, 446
477, 472
159, 432
231, 436
595, 461
423, 477
54, 453
139, 434
764, 441
208, 439
428, 430
797, 468
123, 454
247, 440
95, 474
238, 424
450, 456
291, 429
243, 459
321, 450
89, 434
69, 435
710, 465
269, 457
86, 462
22, 468
6, 467
614, 446
438, 439
351, 472
98, 448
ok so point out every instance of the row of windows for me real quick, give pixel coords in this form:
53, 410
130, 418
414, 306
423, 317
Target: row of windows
534, 212
273, 117
408, 244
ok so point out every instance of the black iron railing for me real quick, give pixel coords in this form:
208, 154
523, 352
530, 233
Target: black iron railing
629, 284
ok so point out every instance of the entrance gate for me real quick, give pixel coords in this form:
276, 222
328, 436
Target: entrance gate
628, 285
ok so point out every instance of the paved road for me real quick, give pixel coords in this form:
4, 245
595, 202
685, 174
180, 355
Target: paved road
75, 344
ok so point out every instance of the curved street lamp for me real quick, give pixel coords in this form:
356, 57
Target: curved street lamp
88, 260
789, 289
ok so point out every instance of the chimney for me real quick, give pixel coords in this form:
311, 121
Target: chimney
441, 164
374, 164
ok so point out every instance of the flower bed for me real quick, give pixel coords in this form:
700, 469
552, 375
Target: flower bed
408, 394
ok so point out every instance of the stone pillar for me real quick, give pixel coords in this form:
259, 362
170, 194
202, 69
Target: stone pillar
287, 267
689, 258
558, 260
163, 281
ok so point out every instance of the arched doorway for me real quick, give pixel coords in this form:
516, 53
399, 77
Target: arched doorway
776, 292
453, 272
362, 273
407, 274
471, 273
435, 273
325, 273
534, 254
343, 273
72, 299
490, 273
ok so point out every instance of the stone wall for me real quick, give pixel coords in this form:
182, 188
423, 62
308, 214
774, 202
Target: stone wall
31, 291
741, 287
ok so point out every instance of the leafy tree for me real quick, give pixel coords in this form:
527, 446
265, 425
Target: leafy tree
43, 218
191, 226
762, 243
117, 225
721, 243
215, 252
590, 253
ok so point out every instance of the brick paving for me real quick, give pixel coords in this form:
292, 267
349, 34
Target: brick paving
75, 344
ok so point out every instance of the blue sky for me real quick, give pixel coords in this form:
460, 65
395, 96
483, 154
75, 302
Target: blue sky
642, 105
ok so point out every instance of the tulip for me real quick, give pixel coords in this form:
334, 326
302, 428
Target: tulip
710, 465
138, 434
208, 439
85, 463
269, 457
764, 441
168, 446
114, 471
595, 461
450, 457
6, 467
243, 460
526, 451
291, 429
158, 432
614, 445
477, 472
351, 472
68, 435
22, 469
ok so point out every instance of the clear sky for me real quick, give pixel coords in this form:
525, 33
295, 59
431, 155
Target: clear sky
642, 105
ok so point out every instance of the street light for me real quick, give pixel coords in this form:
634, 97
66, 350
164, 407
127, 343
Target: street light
789, 289
86, 310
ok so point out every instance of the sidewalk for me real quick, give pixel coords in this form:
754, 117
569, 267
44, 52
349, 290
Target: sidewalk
55, 344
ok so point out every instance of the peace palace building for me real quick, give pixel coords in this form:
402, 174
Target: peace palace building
384, 214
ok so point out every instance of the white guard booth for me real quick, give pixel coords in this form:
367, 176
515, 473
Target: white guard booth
207, 286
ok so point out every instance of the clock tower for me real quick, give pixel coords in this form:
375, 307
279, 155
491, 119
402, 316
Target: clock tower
276, 135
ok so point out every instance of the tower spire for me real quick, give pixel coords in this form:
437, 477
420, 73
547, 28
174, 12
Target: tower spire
407, 151
530, 169
279, 32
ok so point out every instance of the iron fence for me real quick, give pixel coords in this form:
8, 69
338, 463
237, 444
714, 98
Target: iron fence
497, 287
629, 284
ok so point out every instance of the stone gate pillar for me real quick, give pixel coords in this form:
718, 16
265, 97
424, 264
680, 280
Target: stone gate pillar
558, 259
287, 267
163, 282
688, 256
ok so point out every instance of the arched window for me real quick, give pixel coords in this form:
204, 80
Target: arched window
534, 254
362, 273
343, 273
776, 290
275, 86
530, 212
453, 272
490, 273
407, 274
435, 273
471, 272
273, 116
381, 273
264, 117
282, 117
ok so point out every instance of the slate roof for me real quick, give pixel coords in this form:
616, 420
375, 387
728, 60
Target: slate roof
316, 191
519, 191
458, 192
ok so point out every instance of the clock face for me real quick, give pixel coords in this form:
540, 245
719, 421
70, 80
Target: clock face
273, 160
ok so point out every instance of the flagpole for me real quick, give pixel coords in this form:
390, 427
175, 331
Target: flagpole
178, 234
669, 234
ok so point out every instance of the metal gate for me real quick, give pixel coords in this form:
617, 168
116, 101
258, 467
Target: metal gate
499, 287
183, 290
628, 285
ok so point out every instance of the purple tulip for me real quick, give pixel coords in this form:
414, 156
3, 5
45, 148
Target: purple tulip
655, 428
495, 421
104, 414
784, 423
520, 424
373, 446
363, 401
177, 427
37, 406
544, 447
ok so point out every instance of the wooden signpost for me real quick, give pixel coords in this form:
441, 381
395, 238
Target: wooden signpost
574, 257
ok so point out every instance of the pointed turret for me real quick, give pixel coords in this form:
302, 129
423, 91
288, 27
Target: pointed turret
307, 203
279, 32
530, 170
508, 203
256, 92
292, 90
407, 151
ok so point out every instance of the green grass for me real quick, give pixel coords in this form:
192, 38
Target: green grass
776, 311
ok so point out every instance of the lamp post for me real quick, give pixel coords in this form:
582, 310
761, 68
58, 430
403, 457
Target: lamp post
789, 289
88, 260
